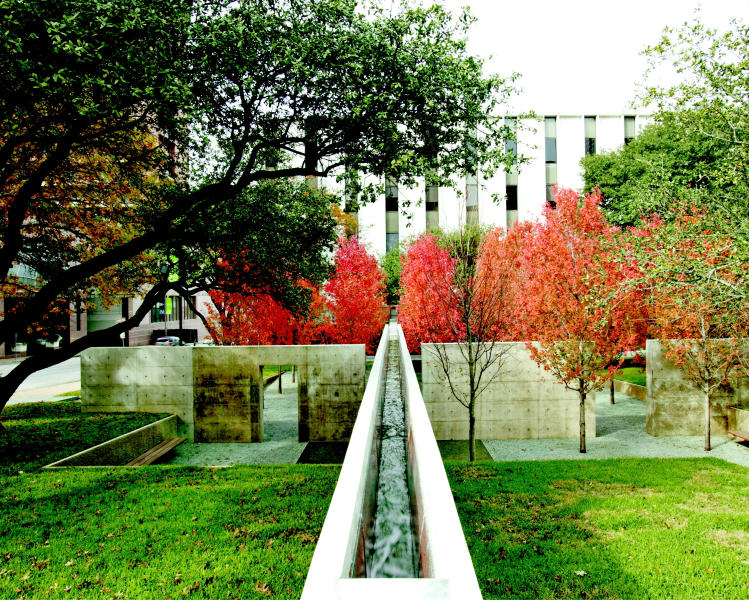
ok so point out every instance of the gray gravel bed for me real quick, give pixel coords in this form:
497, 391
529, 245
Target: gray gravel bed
620, 433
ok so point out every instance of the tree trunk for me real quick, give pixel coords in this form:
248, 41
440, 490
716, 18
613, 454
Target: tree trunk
612, 391
707, 422
471, 435
280, 372
582, 422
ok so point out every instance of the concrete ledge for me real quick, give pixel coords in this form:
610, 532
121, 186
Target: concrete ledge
444, 552
632, 389
121, 450
340, 548
445, 560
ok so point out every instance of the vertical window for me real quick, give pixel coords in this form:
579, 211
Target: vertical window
550, 126
590, 135
391, 214
511, 177
472, 186
629, 129
432, 206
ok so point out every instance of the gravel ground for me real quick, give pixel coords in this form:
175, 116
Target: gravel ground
280, 432
620, 432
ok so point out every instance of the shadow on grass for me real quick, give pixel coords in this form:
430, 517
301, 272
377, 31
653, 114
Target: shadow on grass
457, 450
323, 453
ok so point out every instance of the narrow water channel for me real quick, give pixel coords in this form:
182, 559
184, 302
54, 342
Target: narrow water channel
391, 550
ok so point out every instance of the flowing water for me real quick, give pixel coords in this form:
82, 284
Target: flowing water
391, 548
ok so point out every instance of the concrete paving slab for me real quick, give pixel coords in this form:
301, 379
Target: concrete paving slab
620, 434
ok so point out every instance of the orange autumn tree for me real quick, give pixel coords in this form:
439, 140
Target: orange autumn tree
355, 296
455, 295
574, 300
696, 279
427, 302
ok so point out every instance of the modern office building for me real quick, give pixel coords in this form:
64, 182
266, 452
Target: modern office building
554, 146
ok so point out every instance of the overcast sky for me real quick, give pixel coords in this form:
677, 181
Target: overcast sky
579, 56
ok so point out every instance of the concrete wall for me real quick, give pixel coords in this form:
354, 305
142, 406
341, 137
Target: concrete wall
217, 392
121, 450
522, 402
675, 406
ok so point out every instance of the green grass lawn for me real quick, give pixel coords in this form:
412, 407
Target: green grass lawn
627, 528
39, 433
161, 532
634, 375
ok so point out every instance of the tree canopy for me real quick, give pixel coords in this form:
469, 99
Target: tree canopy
191, 104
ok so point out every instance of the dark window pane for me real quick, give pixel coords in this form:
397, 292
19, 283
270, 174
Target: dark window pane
512, 197
432, 206
590, 145
391, 203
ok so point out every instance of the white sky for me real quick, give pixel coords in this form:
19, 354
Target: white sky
579, 56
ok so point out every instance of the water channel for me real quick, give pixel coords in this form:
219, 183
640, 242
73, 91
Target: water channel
391, 550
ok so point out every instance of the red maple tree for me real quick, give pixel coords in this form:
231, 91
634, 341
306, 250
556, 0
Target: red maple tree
428, 306
694, 274
574, 300
355, 296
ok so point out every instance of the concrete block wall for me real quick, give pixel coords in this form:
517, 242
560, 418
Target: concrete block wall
675, 406
522, 402
217, 392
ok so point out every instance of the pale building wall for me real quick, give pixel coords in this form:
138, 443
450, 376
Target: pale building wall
609, 133
532, 177
522, 402
570, 150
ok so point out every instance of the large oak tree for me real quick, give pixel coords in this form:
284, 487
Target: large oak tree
234, 94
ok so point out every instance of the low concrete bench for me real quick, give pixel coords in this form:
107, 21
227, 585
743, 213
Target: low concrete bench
155, 453
744, 435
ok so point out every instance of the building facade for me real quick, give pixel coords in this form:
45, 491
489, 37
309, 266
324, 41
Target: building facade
554, 146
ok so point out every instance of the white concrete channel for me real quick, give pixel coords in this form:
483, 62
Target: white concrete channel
338, 565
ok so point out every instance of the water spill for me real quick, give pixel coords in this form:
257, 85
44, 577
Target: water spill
391, 547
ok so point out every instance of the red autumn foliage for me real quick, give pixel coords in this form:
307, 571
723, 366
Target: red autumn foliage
573, 297
351, 311
257, 319
703, 324
428, 305
356, 296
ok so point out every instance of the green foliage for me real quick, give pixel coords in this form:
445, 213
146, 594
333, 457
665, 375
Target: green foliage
391, 264
40, 433
698, 150
250, 91
665, 164
626, 528
158, 532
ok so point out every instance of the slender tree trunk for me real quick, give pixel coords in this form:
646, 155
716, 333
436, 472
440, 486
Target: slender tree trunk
707, 421
582, 422
471, 433
280, 372
612, 391
293, 373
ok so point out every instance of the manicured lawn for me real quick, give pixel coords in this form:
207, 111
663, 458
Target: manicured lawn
634, 375
628, 528
39, 433
161, 532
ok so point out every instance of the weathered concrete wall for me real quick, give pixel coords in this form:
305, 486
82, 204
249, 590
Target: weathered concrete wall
122, 449
675, 406
217, 392
522, 402
636, 391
